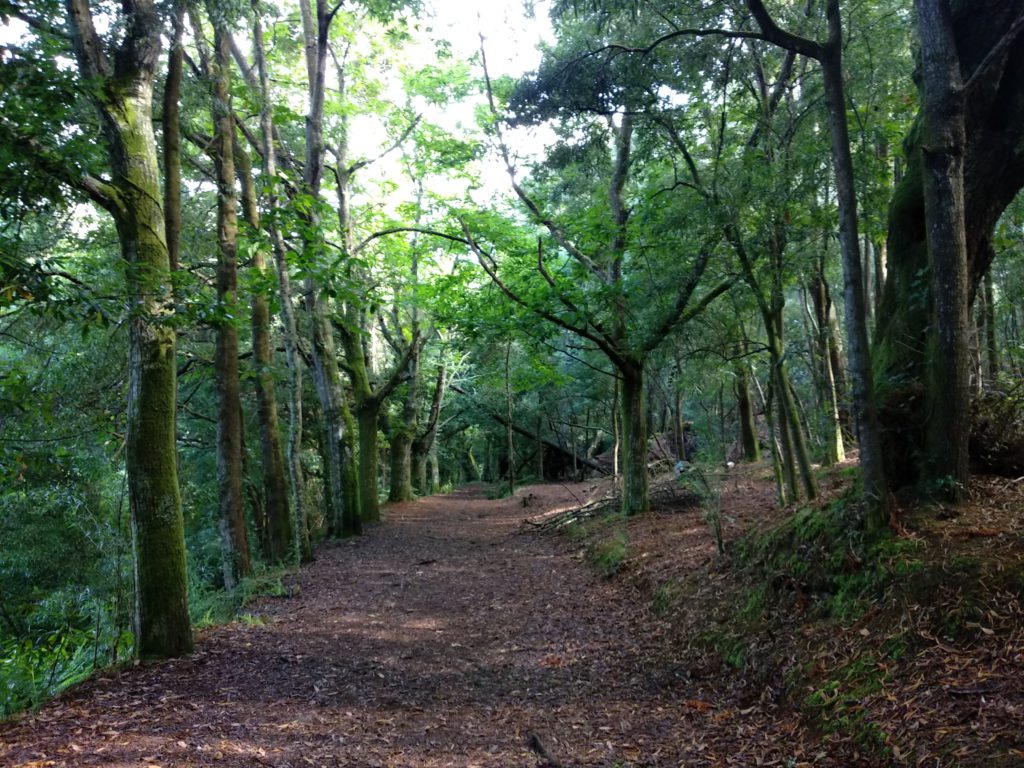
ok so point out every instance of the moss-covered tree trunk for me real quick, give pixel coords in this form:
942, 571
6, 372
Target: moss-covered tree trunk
635, 497
304, 549
748, 423
237, 563
401, 466
367, 415
993, 171
280, 525
424, 443
327, 379
404, 435
947, 394
123, 96
172, 136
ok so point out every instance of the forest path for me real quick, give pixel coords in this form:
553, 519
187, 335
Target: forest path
444, 637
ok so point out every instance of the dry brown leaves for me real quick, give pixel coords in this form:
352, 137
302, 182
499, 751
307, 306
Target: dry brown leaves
448, 637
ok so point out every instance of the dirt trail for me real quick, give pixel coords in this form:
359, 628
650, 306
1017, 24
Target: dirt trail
445, 637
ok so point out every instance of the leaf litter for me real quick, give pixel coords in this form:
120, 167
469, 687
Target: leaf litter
450, 635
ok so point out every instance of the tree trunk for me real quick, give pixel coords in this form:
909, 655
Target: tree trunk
510, 442
435, 470
424, 443
947, 395
829, 55
991, 345
280, 528
401, 467
304, 548
539, 446
367, 414
327, 379
616, 427
824, 363
235, 542
748, 424
785, 435
172, 137
635, 499
876, 489
404, 435
133, 197
993, 173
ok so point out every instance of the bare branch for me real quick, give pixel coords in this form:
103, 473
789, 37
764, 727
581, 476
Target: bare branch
397, 143
532, 206
421, 230
489, 266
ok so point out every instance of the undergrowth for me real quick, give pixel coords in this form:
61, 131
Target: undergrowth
68, 636
816, 612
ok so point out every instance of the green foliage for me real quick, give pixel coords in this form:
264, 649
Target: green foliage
210, 606
608, 554
837, 705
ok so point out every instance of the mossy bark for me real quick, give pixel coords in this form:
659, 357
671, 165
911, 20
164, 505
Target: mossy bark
304, 548
403, 437
943, 137
635, 497
748, 425
237, 563
327, 379
424, 447
123, 98
993, 171
367, 415
280, 525
401, 466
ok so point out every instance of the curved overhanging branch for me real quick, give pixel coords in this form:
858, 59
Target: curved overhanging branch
488, 264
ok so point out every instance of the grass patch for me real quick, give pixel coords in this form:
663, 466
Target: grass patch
607, 555
838, 704
667, 597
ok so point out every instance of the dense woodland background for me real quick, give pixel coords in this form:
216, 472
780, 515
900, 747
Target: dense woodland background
728, 230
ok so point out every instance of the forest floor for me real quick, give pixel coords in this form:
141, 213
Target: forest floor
455, 634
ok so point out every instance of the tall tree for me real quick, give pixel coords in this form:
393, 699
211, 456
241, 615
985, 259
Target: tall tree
986, 42
268, 152
829, 54
237, 563
943, 138
316, 25
280, 528
121, 88
584, 287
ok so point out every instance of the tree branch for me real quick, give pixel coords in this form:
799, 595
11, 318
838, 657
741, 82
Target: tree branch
88, 48
996, 58
774, 34
39, 25
358, 165
490, 267
400, 372
521, 193
421, 230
